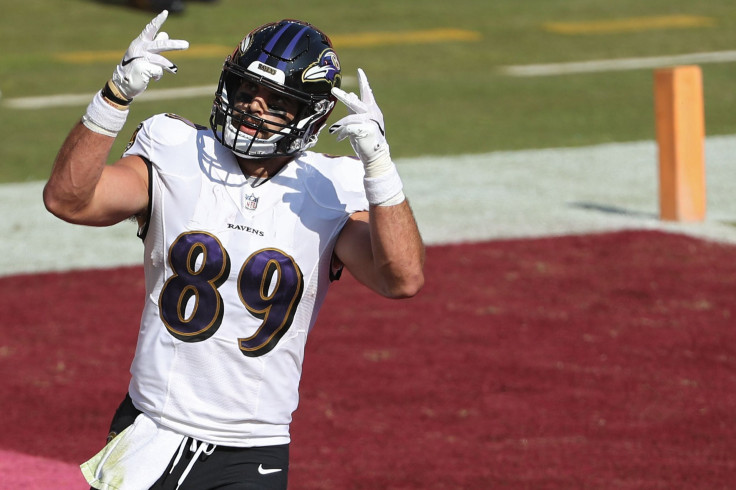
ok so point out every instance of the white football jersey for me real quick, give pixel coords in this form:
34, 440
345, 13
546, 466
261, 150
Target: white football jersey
235, 276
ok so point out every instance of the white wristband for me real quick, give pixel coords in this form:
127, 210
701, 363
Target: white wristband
386, 189
393, 201
381, 164
103, 118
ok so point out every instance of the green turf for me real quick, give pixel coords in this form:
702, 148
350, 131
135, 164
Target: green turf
439, 99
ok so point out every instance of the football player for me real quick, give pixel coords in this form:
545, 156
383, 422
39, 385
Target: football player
243, 230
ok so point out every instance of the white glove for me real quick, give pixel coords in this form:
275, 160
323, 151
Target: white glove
141, 61
107, 112
363, 124
365, 128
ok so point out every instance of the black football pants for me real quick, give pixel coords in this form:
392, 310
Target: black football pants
230, 468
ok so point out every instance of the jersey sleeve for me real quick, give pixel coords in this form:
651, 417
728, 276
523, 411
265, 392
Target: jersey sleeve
159, 138
165, 143
336, 183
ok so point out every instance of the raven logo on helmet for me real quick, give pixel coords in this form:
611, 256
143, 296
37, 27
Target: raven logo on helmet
245, 43
326, 69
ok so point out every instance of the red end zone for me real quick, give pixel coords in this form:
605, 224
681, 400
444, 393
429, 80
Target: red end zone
592, 361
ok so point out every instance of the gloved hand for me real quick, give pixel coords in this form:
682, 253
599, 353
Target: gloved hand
107, 112
364, 123
365, 128
142, 61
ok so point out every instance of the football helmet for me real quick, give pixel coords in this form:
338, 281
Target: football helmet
292, 58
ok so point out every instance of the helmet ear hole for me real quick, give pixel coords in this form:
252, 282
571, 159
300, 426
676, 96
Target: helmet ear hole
289, 57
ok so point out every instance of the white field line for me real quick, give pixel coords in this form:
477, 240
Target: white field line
549, 69
70, 100
518, 194
535, 70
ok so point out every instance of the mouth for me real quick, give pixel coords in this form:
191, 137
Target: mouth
247, 130
249, 126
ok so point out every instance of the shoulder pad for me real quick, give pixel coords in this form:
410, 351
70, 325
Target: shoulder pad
189, 123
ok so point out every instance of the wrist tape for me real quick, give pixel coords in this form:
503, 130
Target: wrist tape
103, 118
383, 186
114, 96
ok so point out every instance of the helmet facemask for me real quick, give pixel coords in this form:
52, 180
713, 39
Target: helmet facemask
250, 63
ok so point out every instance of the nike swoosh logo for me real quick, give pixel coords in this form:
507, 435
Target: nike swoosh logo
264, 471
125, 62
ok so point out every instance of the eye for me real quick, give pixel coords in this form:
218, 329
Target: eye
242, 96
246, 91
279, 103
282, 103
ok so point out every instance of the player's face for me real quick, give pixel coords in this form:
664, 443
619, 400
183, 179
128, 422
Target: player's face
268, 105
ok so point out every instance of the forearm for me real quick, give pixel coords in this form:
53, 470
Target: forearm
81, 160
382, 248
76, 172
82, 188
398, 251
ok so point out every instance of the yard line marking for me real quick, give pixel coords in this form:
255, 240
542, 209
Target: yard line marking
70, 100
629, 25
340, 41
620, 64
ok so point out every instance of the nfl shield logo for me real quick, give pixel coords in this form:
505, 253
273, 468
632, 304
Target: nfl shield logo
250, 202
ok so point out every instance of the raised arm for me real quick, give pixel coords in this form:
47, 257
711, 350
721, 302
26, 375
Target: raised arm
382, 248
82, 189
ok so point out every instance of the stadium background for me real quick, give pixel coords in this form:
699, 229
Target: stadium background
574, 360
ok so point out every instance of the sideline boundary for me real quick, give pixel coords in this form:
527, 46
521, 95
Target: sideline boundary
520, 194
620, 64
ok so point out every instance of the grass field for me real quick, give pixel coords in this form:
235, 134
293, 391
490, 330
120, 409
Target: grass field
437, 67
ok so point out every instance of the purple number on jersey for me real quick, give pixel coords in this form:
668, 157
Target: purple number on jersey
270, 286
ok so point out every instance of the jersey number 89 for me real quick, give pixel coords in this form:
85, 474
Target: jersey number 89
269, 285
